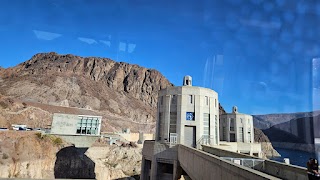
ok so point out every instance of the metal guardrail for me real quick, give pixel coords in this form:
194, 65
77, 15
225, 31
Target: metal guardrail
247, 162
205, 140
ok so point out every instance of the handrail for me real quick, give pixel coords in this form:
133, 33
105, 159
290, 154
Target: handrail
205, 140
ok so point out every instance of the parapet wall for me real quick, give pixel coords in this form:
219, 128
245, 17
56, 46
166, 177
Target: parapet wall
201, 165
274, 168
198, 165
134, 137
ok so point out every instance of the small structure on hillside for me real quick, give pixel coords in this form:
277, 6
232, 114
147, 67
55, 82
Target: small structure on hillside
70, 124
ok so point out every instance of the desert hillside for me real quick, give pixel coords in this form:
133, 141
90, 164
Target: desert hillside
125, 95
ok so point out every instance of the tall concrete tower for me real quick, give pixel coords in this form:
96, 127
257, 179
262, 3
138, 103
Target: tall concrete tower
236, 127
187, 114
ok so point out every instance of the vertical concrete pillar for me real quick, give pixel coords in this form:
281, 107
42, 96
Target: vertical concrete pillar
177, 170
154, 169
141, 138
145, 169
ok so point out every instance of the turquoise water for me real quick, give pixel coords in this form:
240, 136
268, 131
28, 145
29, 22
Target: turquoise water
296, 157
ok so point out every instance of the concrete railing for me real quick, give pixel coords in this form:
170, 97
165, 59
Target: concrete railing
201, 165
274, 168
285, 171
225, 153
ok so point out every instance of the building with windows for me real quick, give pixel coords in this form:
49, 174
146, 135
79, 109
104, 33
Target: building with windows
236, 127
237, 133
188, 114
70, 124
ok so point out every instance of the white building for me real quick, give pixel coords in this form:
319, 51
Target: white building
237, 133
188, 114
236, 127
70, 124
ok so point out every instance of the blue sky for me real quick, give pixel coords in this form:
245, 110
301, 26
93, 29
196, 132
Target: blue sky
258, 55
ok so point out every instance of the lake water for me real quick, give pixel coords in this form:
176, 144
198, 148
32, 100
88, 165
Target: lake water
296, 157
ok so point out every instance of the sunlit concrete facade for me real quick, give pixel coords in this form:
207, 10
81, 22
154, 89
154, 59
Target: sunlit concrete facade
237, 133
236, 127
188, 116
189, 113
70, 124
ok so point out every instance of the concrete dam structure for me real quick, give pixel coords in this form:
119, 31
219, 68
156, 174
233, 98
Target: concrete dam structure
188, 141
162, 162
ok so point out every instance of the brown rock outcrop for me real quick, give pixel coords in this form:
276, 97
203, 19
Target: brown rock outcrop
141, 83
125, 95
266, 145
24, 155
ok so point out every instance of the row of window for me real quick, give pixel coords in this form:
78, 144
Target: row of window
88, 125
232, 121
232, 128
232, 135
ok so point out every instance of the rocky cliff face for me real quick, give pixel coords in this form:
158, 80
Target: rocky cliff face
266, 146
126, 95
24, 155
138, 82
30, 155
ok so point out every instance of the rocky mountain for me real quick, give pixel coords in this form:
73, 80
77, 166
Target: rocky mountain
299, 130
268, 120
125, 95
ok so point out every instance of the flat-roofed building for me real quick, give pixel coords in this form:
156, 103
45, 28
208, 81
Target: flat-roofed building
70, 124
236, 127
237, 133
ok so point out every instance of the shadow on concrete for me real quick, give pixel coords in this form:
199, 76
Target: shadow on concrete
72, 163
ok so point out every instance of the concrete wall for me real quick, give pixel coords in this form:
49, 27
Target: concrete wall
158, 155
134, 137
67, 124
285, 171
80, 141
197, 164
64, 124
225, 153
273, 168
248, 148
147, 151
201, 165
